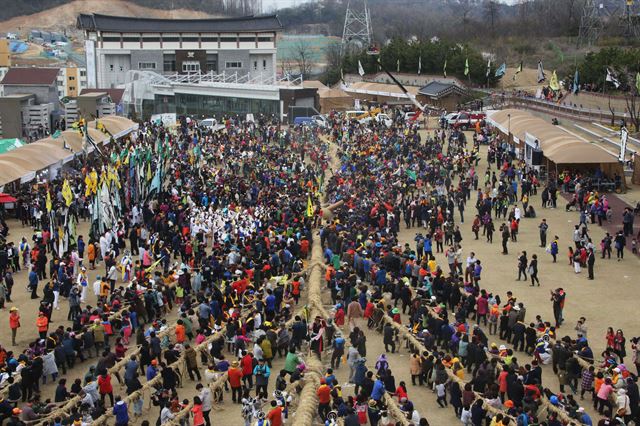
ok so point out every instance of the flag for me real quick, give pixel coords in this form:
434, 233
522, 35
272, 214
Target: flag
444, 69
309, 206
66, 193
419, 65
541, 75
553, 83
576, 84
56, 134
154, 264
501, 70
398, 65
360, 69
518, 71
48, 202
638, 82
412, 175
466, 67
488, 68
611, 78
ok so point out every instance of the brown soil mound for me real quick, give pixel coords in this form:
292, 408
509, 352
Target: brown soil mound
64, 16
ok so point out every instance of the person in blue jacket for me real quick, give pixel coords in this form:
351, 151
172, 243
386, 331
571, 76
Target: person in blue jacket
378, 390
121, 413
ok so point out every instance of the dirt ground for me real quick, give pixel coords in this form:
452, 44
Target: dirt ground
64, 16
607, 301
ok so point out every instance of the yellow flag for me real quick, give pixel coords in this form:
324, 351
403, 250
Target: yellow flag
48, 203
309, 206
149, 172
553, 82
66, 193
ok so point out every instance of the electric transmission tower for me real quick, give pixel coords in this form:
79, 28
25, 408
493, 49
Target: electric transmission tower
630, 20
357, 27
590, 24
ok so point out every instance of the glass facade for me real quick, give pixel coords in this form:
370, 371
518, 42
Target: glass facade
189, 104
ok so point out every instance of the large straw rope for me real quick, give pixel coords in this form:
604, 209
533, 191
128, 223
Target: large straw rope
181, 367
545, 403
214, 386
116, 315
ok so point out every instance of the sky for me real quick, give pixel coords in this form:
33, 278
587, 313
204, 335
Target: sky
271, 5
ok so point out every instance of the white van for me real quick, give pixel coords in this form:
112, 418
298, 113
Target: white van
209, 123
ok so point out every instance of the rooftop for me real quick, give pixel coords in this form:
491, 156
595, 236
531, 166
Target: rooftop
115, 94
19, 96
31, 76
438, 89
107, 23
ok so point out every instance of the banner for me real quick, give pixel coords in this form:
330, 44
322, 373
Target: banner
553, 83
66, 193
541, 75
624, 137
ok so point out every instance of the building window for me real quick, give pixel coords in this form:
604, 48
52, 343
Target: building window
264, 64
209, 39
151, 39
233, 65
169, 61
72, 88
212, 62
83, 73
190, 39
265, 39
228, 39
146, 65
71, 78
255, 65
170, 39
111, 39
191, 66
111, 67
131, 39
248, 39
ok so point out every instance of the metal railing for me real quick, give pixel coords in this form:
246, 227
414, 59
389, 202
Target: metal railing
575, 112
212, 78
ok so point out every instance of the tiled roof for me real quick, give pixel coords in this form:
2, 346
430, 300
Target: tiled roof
97, 22
31, 76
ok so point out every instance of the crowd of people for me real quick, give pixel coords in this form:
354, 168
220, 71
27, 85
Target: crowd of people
203, 274
209, 247
388, 177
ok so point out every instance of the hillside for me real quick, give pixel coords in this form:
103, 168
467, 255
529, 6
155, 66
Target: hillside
64, 16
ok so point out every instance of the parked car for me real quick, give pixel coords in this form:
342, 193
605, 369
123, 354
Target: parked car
320, 120
380, 118
303, 121
208, 123
464, 119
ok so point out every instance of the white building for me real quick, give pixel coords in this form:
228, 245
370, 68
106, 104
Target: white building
115, 45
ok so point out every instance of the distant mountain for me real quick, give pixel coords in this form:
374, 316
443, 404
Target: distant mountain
62, 13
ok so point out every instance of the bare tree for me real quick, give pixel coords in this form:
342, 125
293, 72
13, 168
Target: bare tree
491, 11
612, 110
633, 106
302, 56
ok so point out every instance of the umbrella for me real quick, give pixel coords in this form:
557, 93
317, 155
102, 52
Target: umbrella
6, 198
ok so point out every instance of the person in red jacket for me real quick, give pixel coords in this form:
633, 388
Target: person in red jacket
338, 317
324, 399
235, 381
246, 364
105, 387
